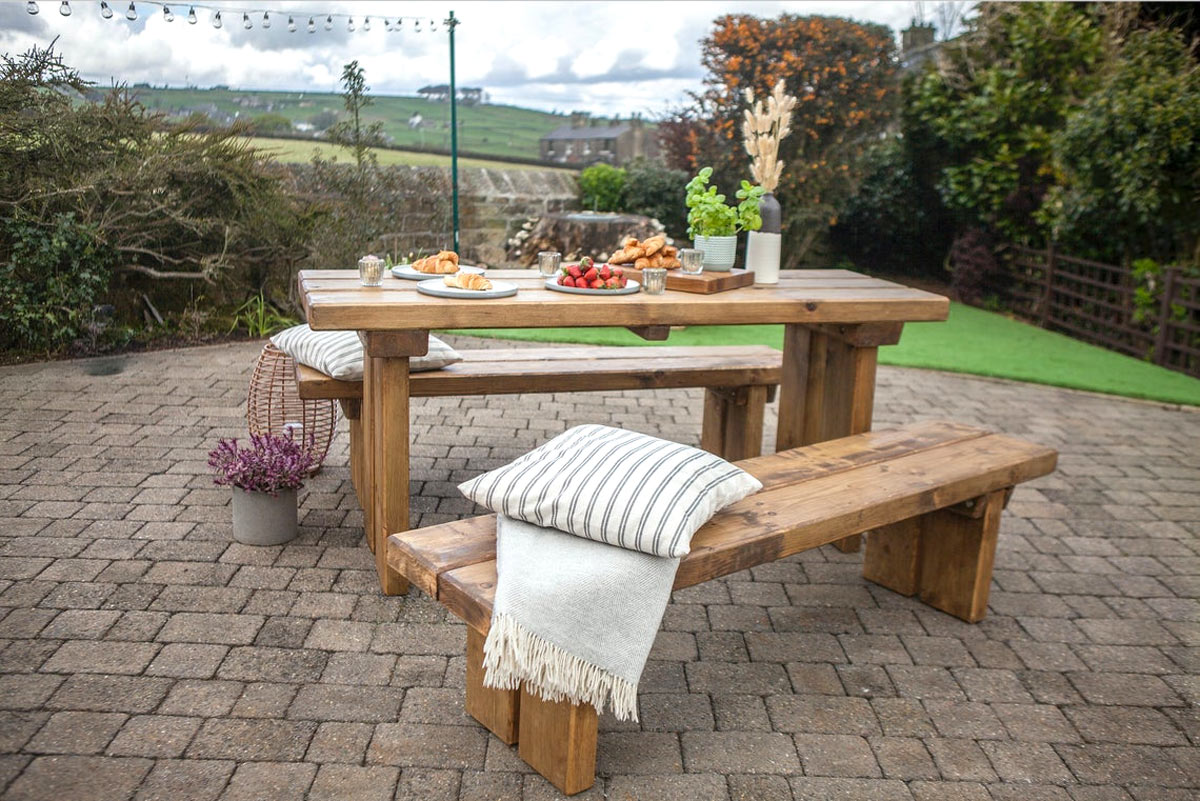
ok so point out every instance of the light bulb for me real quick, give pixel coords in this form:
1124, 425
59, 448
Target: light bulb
291, 25
64, 8
387, 26
105, 11
131, 13
191, 16
312, 25
246, 23
350, 24
329, 23
266, 23
217, 20
399, 23
167, 15
417, 26
31, 8
367, 24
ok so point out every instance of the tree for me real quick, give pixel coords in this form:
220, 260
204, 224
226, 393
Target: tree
1128, 158
352, 133
983, 121
843, 74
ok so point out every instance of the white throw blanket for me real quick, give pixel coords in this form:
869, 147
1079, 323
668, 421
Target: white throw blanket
573, 618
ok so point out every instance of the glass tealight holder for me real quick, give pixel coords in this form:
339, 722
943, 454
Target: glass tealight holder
548, 262
370, 270
692, 260
654, 280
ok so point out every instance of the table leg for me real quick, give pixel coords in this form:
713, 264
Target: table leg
385, 441
827, 389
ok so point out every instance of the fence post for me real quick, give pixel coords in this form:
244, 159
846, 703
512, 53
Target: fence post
1047, 284
1162, 338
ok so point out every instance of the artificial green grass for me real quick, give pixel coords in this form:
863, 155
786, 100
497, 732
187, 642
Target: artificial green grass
971, 341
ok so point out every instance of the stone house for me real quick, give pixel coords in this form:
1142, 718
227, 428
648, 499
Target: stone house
589, 140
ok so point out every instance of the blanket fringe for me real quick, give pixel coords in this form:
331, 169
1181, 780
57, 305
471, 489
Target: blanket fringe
513, 654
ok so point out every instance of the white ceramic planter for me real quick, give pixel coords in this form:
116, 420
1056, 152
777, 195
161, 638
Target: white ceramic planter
263, 519
719, 252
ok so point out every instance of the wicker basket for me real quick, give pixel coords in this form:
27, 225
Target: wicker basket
274, 406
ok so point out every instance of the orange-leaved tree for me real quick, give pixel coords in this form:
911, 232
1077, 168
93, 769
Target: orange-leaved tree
843, 74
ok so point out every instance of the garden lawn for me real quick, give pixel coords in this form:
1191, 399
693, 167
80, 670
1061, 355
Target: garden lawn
971, 341
301, 151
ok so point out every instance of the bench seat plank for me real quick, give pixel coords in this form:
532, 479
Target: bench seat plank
424, 554
517, 370
779, 521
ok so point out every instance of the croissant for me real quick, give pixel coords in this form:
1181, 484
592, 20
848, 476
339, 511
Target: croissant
463, 280
641, 264
444, 262
671, 263
670, 251
654, 244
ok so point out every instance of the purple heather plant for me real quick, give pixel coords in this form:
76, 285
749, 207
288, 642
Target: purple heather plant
269, 465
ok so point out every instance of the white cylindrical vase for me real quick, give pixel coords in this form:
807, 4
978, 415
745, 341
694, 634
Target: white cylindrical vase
762, 256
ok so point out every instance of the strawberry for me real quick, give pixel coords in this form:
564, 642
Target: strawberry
597, 284
605, 272
567, 281
611, 283
618, 272
623, 280
586, 262
574, 271
591, 274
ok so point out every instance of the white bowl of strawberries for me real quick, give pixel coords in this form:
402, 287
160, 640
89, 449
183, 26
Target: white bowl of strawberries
586, 278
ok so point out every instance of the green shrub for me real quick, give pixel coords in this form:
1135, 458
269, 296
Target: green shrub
656, 191
601, 186
50, 281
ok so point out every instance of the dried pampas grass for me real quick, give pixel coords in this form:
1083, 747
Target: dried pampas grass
763, 128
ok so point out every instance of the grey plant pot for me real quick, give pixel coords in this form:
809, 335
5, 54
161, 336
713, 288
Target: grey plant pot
263, 519
720, 252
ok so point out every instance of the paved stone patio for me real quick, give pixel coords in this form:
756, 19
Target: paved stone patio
145, 655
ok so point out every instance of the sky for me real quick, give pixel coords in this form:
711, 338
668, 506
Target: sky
611, 58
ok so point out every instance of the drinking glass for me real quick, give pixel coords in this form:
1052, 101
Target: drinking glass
548, 261
654, 280
370, 271
692, 260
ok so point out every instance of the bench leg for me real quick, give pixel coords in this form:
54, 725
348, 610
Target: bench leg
385, 459
497, 710
352, 411
945, 557
558, 740
733, 421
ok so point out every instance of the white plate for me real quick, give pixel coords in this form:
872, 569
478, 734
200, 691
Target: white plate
437, 287
406, 271
631, 287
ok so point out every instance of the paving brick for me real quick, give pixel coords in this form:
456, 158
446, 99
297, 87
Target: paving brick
254, 781
84, 656
132, 694
273, 664
264, 700
346, 703
689, 787
740, 752
428, 746
836, 755
676, 712
340, 742
76, 733
1124, 689
277, 740
807, 788
216, 629
822, 715
186, 780
79, 778
339, 782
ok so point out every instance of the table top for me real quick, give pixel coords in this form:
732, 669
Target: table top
334, 300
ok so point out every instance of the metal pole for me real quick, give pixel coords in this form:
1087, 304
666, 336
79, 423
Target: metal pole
451, 23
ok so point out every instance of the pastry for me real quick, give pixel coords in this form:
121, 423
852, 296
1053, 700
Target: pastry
654, 244
463, 280
641, 264
444, 262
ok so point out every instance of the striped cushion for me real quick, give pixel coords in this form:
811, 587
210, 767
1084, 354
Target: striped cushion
615, 486
339, 354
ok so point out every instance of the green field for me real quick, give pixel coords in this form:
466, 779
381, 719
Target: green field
301, 151
971, 341
487, 129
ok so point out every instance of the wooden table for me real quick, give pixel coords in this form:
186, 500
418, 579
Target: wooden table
834, 322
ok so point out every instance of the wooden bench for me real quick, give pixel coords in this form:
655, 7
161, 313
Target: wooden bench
930, 494
738, 381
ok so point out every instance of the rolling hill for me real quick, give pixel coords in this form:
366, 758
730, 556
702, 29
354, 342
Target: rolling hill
485, 129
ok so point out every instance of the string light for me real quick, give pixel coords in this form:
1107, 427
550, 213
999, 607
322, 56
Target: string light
131, 13
31, 8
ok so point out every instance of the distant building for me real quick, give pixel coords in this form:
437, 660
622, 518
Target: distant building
415, 120
917, 46
588, 140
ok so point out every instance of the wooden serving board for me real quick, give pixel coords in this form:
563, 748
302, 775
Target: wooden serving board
705, 283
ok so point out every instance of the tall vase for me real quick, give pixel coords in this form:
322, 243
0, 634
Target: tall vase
763, 245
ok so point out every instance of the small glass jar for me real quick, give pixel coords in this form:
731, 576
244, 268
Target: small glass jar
654, 280
548, 262
370, 270
691, 260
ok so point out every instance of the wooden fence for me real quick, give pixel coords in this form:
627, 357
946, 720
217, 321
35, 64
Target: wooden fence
1099, 303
